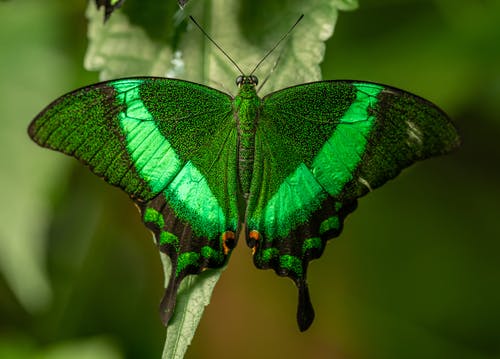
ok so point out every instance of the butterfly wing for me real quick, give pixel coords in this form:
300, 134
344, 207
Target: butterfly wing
169, 144
320, 146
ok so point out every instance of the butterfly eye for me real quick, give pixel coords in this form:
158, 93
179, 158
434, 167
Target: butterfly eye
239, 80
254, 79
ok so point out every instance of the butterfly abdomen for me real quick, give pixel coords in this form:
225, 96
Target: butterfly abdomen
247, 107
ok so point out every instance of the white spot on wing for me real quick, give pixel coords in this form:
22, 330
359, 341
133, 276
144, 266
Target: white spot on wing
414, 135
365, 183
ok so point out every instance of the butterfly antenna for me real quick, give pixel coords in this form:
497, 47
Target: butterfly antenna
277, 44
216, 44
270, 72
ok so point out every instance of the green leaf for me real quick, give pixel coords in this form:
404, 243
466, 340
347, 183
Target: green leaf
193, 295
121, 48
248, 40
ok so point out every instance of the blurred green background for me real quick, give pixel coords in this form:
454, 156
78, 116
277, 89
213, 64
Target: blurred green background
416, 273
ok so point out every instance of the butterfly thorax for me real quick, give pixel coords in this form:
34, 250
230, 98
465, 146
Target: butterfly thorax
246, 113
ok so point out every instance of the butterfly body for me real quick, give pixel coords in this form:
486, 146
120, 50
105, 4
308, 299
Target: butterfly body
200, 163
246, 107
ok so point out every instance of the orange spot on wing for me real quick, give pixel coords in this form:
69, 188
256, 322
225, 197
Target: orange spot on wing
255, 236
228, 241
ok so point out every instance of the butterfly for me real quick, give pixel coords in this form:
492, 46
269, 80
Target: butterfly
285, 169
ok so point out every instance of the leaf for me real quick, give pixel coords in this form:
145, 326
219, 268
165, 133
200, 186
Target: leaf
247, 42
193, 295
120, 49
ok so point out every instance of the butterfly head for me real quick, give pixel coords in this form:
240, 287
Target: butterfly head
247, 80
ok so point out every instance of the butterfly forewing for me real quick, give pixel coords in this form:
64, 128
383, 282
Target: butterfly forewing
171, 145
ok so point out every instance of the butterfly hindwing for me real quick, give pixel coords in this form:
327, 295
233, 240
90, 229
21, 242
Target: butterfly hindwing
171, 145
320, 146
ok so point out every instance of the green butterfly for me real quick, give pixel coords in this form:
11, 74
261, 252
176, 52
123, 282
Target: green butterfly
199, 162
